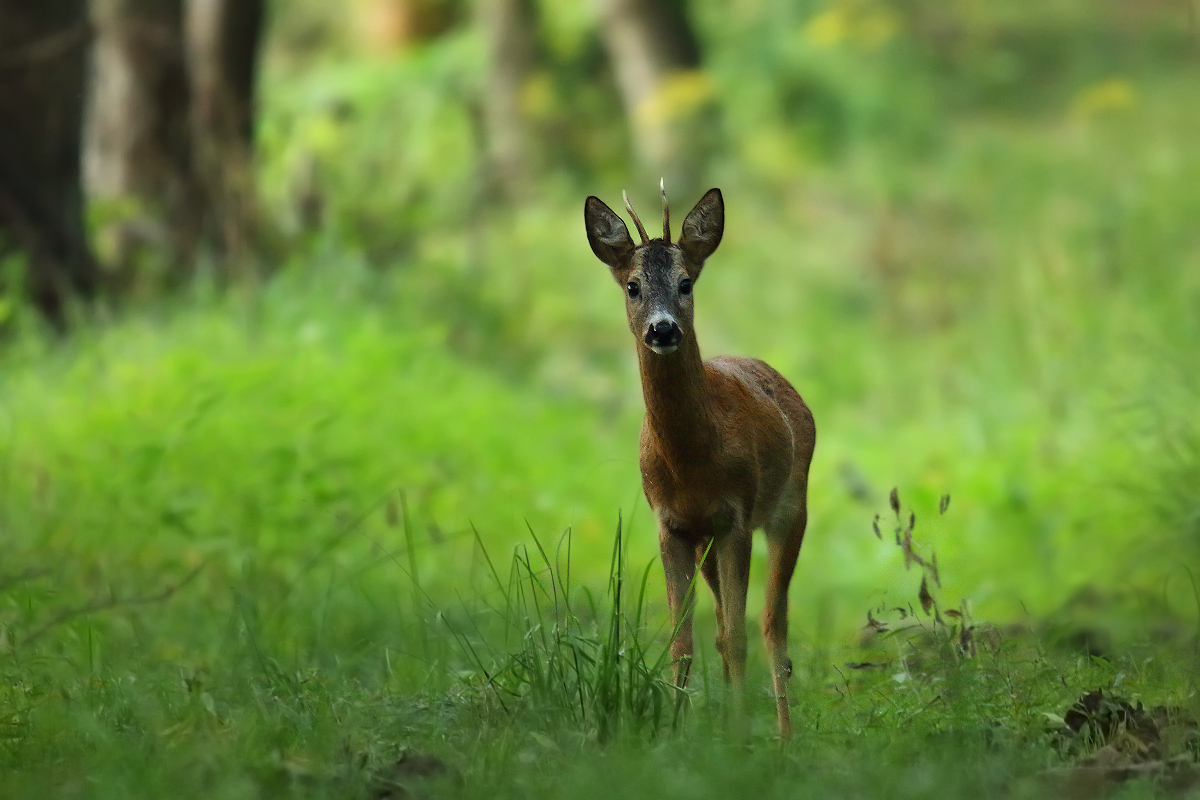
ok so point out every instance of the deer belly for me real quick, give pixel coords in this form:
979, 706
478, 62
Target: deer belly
705, 502
699, 518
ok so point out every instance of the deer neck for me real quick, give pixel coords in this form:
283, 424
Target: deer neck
679, 404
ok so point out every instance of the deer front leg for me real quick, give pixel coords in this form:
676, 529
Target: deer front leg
708, 567
679, 564
732, 551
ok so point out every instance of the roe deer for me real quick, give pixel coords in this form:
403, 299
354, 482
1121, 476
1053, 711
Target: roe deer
726, 443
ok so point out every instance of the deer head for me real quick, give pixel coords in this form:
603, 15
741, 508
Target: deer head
657, 275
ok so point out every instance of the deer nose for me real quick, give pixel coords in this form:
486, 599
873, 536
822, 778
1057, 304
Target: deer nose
663, 333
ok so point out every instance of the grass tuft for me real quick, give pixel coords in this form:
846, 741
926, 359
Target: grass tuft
591, 665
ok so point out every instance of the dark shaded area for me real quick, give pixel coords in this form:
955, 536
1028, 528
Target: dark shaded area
1097, 719
409, 777
138, 141
223, 38
43, 51
1114, 740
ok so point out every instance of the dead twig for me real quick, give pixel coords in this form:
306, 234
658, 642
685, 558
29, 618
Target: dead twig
30, 574
107, 605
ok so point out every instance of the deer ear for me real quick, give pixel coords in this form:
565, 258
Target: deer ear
703, 227
607, 234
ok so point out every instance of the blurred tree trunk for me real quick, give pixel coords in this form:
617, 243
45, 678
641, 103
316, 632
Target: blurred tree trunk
655, 56
137, 151
170, 128
43, 50
510, 28
222, 45
386, 26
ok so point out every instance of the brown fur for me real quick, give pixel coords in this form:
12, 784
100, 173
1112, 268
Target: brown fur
726, 447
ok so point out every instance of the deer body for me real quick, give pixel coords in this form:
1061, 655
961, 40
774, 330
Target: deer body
726, 443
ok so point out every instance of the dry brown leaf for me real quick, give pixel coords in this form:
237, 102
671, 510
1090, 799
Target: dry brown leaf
910, 555
874, 624
925, 597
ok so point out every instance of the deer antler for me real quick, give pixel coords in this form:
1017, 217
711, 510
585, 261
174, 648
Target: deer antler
629, 207
662, 187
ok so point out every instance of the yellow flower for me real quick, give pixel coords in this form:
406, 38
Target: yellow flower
1114, 94
678, 95
829, 28
859, 24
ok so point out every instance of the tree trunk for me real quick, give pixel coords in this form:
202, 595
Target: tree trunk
170, 128
510, 30
43, 49
655, 56
222, 41
137, 147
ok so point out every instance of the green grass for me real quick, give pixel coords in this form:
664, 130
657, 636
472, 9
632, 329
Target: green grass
531, 686
262, 541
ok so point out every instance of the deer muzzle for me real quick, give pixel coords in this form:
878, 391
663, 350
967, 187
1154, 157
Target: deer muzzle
663, 335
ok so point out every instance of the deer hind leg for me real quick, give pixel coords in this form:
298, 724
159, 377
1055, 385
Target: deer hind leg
783, 548
708, 567
679, 565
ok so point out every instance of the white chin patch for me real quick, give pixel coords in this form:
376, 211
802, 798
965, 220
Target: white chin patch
662, 351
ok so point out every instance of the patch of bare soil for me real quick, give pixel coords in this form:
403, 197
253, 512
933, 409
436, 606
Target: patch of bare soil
1113, 740
411, 777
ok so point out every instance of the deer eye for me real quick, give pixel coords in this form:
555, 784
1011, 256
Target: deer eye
633, 289
685, 286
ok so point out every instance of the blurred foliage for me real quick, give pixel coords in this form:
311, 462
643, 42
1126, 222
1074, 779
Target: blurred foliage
966, 232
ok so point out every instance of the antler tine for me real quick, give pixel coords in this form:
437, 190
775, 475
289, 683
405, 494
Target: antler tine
662, 187
629, 207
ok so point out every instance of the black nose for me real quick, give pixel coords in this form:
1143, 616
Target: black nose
664, 333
